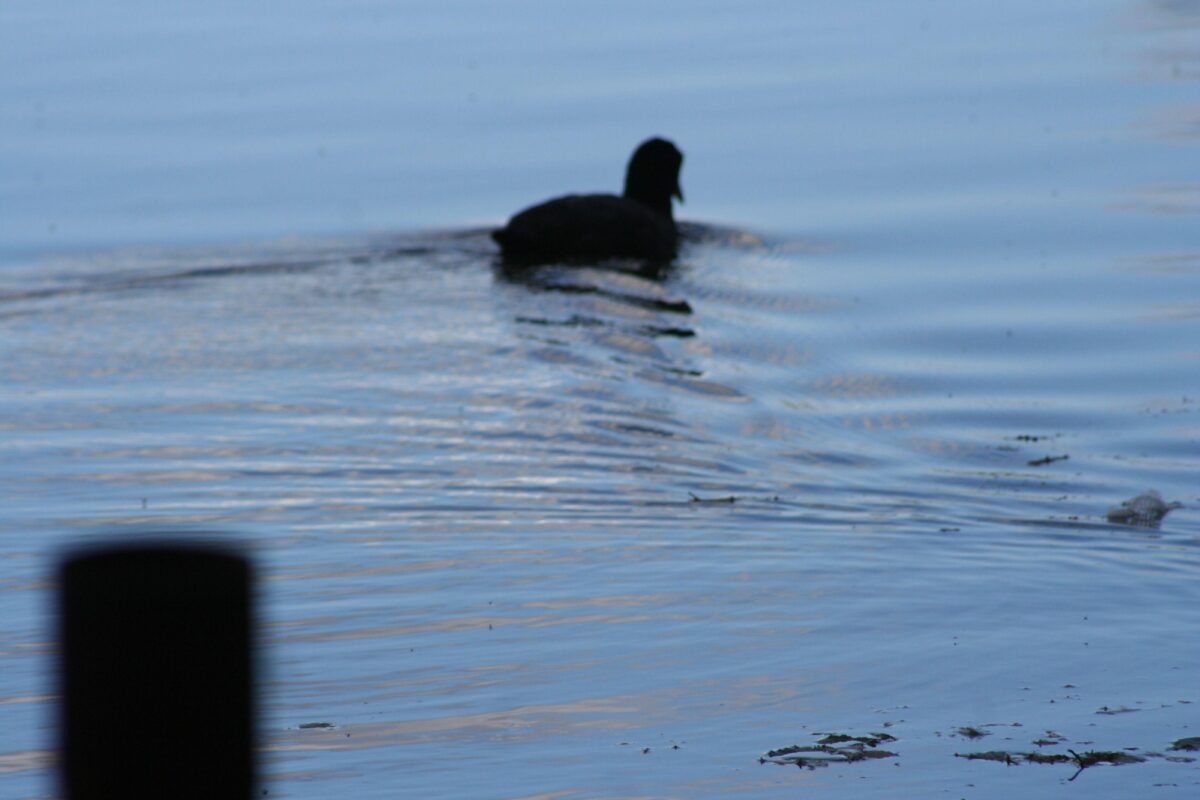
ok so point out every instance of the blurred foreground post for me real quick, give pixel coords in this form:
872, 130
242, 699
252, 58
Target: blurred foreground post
156, 674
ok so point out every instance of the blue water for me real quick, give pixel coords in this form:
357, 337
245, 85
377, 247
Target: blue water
245, 286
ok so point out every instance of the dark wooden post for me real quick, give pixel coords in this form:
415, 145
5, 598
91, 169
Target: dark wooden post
157, 673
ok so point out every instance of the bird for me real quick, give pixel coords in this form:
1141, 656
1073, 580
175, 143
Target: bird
637, 224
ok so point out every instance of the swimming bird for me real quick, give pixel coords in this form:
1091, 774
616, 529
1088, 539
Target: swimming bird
637, 224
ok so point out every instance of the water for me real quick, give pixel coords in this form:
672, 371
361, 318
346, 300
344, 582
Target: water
246, 287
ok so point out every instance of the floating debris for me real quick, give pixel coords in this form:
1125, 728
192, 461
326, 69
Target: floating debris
1041, 462
841, 748
992, 755
972, 732
833, 748
1118, 710
1144, 511
321, 725
1082, 761
871, 741
1046, 758
697, 499
1051, 738
1091, 758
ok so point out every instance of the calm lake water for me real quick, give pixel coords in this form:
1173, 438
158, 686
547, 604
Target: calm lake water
554, 534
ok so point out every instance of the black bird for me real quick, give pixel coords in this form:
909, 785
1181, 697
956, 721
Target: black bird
638, 224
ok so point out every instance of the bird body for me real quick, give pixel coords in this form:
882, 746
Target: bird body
637, 224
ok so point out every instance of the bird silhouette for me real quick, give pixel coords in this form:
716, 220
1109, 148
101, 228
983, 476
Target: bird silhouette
637, 224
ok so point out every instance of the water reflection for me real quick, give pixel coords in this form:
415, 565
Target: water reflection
1166, 199
1172, 14
635, 284
1177, 124
1182, 263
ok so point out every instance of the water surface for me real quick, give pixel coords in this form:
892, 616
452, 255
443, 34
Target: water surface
550, 534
